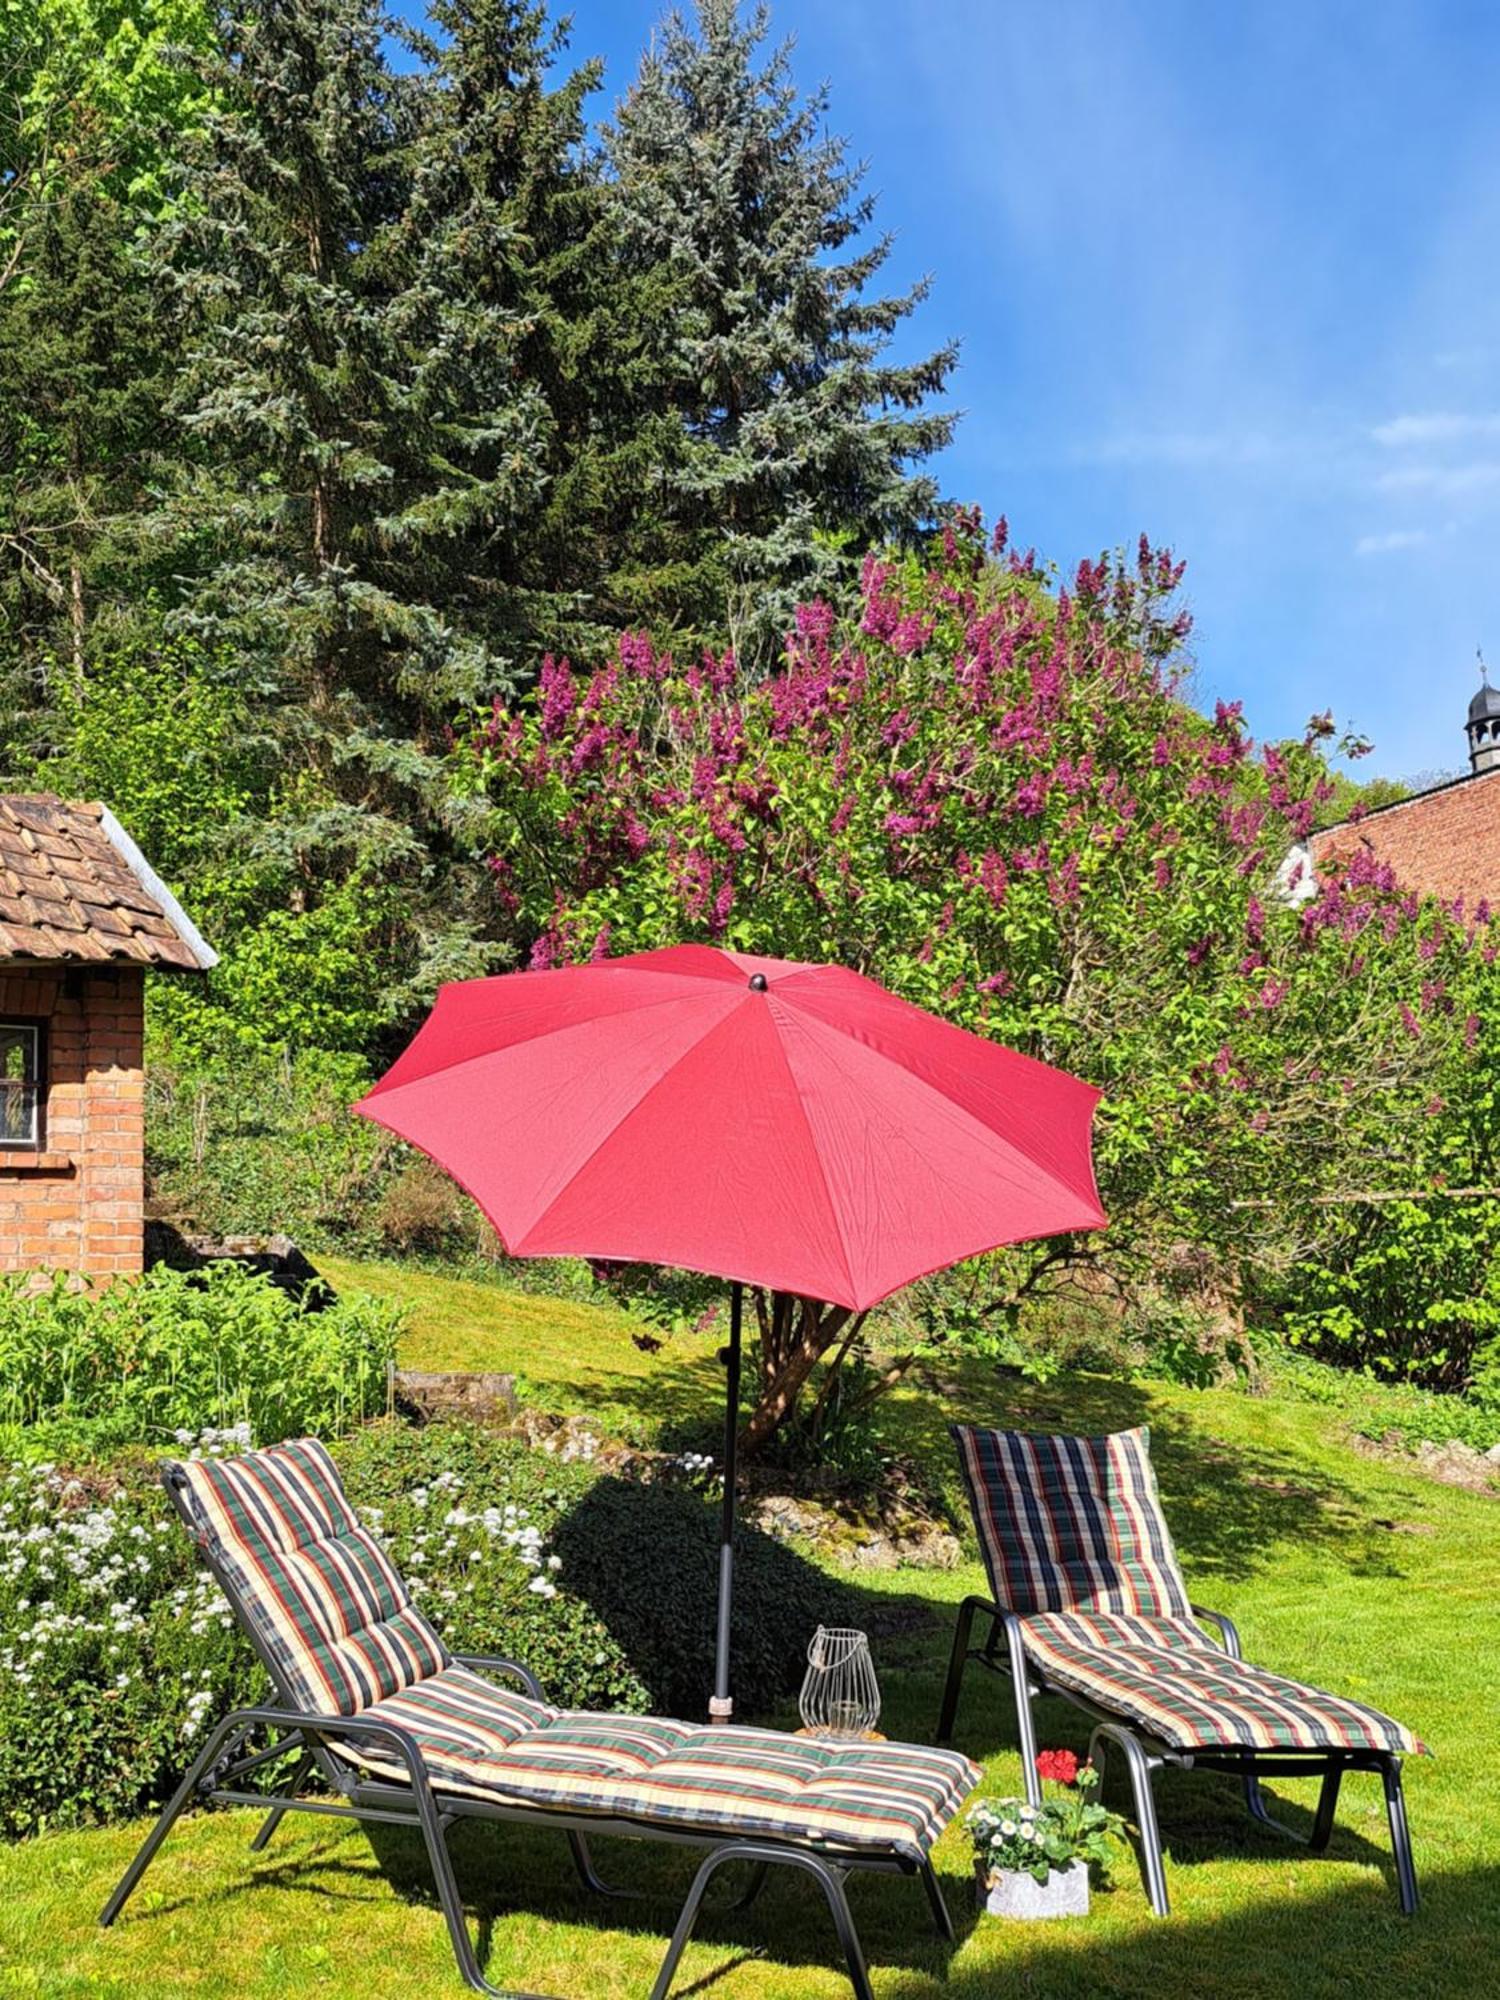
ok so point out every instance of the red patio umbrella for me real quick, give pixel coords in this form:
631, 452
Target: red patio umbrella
768, 1122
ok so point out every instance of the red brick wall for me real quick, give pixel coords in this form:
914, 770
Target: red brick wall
79, 1206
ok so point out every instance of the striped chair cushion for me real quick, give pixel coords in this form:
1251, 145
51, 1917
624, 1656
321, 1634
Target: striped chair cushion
316, 1587
1071, 1523
491, 1744
337, 1621
1166, 1676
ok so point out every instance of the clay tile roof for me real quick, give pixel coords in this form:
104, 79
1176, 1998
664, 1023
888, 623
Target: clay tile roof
74, 887
1444, 842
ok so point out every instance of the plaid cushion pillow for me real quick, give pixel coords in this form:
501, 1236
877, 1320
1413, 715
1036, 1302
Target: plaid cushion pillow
316, 1587
1071, 1523
492, 1744
1177, 1686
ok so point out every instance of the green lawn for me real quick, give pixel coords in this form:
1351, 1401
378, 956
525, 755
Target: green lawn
1338, 1567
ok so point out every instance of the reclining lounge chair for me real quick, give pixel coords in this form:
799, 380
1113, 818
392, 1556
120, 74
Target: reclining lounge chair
400, 1730
1089, 1604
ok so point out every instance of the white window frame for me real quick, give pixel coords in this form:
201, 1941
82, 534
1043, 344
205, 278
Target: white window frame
32, 1142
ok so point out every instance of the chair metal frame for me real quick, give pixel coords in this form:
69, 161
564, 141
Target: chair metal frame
1145, 1754
226, 1760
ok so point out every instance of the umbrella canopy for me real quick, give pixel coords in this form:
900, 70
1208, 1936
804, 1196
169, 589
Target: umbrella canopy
787, 1125
773, 1123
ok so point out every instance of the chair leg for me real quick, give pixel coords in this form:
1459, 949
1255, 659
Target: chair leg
1020, 1675
433, 1827
589, 1875
279, 1811
175, 1806
752, 1888
828, 1878
1153, 1867
1255, 1802
1395, 1806
940, 1917
1328, 1799
958, 1659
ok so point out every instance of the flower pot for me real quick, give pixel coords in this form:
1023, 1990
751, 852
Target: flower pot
1010, 1892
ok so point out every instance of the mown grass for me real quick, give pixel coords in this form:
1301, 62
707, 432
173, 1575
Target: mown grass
1340, 1568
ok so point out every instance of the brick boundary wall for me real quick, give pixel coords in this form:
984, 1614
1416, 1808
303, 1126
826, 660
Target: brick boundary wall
80, 1206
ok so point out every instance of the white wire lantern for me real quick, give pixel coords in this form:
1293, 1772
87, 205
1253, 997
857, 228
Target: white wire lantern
840, 1696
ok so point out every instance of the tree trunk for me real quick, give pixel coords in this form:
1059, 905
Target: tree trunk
794, 1336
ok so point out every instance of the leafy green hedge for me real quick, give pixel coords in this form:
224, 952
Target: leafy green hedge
116, 1650
186, 1350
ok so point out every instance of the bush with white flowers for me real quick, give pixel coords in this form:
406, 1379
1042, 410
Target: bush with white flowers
114, 1647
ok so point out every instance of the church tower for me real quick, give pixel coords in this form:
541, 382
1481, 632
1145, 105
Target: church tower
1483, 726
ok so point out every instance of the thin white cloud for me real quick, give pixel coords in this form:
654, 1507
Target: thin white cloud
1392, 541
1449, 481
1184, 448
1436, 427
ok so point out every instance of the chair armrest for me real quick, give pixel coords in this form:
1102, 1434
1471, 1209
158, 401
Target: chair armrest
491, 1663
332, 1729
1229, 1636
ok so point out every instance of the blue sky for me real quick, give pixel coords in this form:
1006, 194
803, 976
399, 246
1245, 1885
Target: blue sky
1223, 273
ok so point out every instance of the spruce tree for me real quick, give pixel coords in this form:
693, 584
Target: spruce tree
511, 310
324, 508
795, 440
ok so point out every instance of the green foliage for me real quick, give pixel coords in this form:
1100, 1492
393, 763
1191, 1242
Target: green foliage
181, 1350
1410, 1291
156, 730
474, 1523
115, 1650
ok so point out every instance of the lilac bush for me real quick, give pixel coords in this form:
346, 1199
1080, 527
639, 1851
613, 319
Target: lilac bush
989, 790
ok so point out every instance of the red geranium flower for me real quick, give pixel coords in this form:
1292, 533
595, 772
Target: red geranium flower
1060, 1766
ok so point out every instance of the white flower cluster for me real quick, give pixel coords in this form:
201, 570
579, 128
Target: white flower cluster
1010, 1820
578, 1447
211, 1443
83, 1582
457, 1535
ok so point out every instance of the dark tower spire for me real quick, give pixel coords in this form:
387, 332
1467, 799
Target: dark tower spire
1483, 726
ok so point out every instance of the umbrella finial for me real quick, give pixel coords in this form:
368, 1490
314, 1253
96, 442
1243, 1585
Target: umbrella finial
757, 982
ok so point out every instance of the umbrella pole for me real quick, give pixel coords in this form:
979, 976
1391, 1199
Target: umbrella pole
721, 1707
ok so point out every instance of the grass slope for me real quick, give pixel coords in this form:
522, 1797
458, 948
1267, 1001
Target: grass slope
1339, 1568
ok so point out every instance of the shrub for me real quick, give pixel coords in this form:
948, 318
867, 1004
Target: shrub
256, 1141
115, 1649
471, 1520
117, 1652
180, 1350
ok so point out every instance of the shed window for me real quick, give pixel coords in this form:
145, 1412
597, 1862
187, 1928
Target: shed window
20, 1084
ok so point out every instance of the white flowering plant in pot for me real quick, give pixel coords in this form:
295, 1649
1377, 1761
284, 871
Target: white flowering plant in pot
1034, 1860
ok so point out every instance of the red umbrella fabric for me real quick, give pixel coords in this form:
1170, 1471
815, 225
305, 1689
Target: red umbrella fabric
787, 1125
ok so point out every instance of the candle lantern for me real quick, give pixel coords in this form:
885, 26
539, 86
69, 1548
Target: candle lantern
840, 1696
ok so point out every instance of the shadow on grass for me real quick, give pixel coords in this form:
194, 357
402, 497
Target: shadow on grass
646, 1561
1231, 1506
1311, 1942
1287, 1935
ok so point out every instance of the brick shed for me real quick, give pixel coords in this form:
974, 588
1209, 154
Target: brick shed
82, 921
